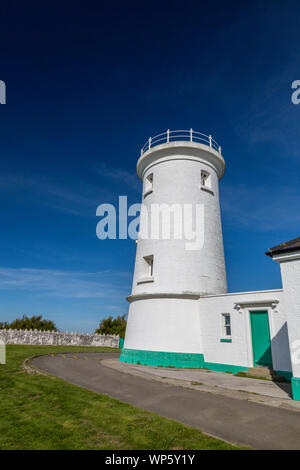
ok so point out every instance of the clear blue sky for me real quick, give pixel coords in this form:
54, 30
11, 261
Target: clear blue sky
87, 84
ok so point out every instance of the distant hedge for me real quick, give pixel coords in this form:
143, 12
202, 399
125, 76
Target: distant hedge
113, 326
29, 323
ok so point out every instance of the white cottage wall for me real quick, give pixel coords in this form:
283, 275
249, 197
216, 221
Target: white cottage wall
238, 305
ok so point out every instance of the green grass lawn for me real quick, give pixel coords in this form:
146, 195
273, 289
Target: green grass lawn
45, 412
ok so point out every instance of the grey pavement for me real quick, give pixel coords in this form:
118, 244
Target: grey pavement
239, 421
258, 390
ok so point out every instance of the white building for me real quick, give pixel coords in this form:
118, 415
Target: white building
180, 311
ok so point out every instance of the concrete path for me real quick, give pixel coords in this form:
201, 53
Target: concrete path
214, 382
235, 420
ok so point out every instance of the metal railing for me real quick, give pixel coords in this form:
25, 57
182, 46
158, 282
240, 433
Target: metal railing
187, 135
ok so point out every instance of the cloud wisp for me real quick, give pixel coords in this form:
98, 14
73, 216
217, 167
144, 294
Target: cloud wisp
258, 207
123, 177
73, 196
66, 284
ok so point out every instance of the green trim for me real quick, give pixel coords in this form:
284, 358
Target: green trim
225, 340
225, 367
121, 342
172, 359
261, 339
285, 373
296, 387
161, 358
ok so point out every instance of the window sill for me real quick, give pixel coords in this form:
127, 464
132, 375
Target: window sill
226, 340
145, 279
209, 190
146, 193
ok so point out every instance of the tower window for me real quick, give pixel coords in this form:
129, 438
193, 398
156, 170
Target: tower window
148, 184
149, 265
147, 270
205, 179
226, 324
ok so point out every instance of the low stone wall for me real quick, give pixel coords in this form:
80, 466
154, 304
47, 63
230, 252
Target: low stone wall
58, 338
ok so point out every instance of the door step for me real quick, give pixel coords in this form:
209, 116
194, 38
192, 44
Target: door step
266, 373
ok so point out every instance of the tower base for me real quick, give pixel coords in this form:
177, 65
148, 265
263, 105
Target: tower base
175, 359
164, 329
162, 358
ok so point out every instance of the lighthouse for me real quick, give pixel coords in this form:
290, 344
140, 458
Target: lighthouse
180, 171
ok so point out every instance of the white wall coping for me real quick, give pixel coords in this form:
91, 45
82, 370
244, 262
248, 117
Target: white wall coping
230, 294
196, 296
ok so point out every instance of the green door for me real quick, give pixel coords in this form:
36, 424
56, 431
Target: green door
261, 341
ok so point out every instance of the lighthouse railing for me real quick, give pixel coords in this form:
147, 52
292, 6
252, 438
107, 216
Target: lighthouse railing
181, 135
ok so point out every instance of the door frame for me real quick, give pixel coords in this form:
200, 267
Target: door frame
267, 307
262, 312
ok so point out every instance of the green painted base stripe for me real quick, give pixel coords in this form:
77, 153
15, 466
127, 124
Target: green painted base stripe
224, 367
295, 381
225, 340
285, 373
171, 359
160, 358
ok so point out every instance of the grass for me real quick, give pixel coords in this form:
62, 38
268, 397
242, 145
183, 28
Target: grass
276, 378
41, 412
249, 376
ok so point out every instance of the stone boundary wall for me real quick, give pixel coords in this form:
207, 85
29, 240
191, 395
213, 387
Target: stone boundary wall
58, 338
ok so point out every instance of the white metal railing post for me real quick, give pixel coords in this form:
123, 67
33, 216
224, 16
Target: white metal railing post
186, 135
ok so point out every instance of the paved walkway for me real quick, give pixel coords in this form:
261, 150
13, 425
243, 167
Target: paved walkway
214, 382
235, 420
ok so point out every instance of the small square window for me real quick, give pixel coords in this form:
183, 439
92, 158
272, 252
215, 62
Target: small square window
205, 179
226, 324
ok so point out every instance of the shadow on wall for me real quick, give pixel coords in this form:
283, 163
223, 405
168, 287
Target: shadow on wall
282, 355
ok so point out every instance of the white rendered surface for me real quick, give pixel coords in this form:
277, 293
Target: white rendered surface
177, 305
239, 305
161, 324
176, 173
290, 273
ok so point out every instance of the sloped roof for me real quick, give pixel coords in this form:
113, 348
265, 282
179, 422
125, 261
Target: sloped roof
292, 245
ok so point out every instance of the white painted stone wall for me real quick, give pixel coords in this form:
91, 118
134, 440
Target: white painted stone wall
58, 338
239, 351
290, 273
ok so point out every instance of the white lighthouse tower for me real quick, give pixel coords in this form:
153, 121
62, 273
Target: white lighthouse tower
180, 171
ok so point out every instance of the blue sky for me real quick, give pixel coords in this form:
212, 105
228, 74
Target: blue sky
87, 84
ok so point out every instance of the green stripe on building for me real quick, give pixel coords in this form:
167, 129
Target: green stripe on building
284, 373
296, 387
160, 358
172, 359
